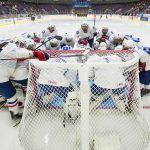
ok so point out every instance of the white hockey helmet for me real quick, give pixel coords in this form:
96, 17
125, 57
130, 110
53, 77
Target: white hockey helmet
19, 41
30, 44
105, 30
84, 27
118, 39
51, 28
119, 36
128, 44
119, 47
102, 46
53, 42
68, 38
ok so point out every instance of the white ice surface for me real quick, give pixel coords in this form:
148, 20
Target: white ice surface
7, 132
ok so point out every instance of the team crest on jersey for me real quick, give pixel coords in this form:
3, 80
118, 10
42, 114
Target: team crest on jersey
66, 47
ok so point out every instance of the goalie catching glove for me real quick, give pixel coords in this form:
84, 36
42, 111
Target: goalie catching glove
41, 55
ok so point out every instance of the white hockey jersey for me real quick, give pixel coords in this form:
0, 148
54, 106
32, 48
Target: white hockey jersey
55, 75
8, 67
64, 42
48, 46
105, 75
46, 33
100, 34
82, 35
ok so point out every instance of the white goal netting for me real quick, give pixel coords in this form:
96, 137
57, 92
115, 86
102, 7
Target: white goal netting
93, 105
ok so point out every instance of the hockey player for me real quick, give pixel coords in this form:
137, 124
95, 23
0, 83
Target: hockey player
85, 33
30, 44
53, 44
103, 36
115, 86
58, 81
145, 72
36, 37
102, 46
67, 40
144, 65
51, 31
9, 72
116, 41
82, 45
72, 107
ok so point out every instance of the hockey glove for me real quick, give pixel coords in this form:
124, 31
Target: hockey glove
83, 42
41, 55
37, 40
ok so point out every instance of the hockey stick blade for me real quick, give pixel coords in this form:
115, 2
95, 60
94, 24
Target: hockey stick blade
58, 56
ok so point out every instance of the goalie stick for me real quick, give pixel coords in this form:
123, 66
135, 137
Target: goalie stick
75, 89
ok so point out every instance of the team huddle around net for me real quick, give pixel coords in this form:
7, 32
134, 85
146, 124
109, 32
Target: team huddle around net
84, 81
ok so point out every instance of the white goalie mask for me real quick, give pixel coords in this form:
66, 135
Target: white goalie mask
73, 105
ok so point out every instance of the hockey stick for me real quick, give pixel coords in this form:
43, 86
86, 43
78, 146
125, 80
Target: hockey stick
85, 53
65, 56
94, 19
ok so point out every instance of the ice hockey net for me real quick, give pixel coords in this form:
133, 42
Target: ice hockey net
95, 105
